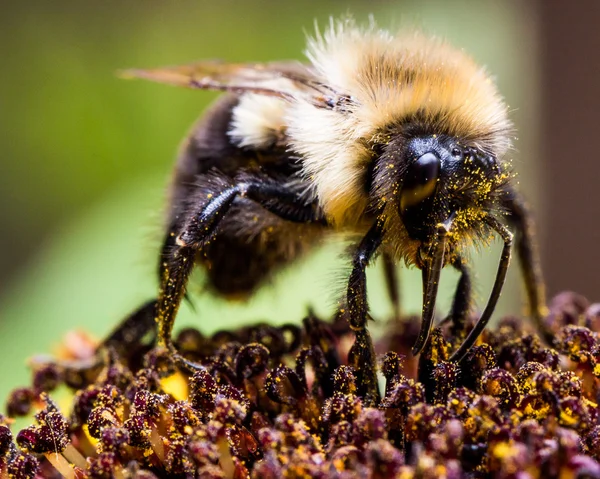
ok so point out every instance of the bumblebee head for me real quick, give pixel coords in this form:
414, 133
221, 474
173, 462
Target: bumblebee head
446, 193
442, 181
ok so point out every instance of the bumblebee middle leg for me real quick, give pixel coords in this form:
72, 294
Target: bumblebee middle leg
461, 303
391, 283
201, 228
362, 354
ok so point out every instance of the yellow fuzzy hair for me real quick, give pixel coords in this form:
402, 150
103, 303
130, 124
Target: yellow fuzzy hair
388, 78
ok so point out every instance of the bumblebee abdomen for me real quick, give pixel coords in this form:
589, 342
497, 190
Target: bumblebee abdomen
250, 247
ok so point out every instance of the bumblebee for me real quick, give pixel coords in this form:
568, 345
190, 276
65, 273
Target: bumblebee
395, 139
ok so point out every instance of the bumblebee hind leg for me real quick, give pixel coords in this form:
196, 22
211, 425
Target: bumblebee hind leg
362, 354
200, 229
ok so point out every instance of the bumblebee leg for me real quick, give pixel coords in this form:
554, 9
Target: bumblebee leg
175, 272
122, 339
430, 276
461, 303
275, 198
362, 354
181, 247
529, 261
391, 282
133, 328
495, 294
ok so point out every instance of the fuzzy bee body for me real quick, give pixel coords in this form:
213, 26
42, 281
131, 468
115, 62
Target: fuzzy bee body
251, 241
397, 138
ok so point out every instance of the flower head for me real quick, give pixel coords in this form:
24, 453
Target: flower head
272, 402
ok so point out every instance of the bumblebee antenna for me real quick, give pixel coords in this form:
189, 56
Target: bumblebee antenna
431, 278
507, 236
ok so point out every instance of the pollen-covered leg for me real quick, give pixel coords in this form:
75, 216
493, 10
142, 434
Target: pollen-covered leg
137, 325
181, 247
461, 304
430, 275
175, 272
125, 337
470, 340
529, 260
275, 198
362, 354
391, 283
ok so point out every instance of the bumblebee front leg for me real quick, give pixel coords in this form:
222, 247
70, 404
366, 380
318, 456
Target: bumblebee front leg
181, 247
362, 354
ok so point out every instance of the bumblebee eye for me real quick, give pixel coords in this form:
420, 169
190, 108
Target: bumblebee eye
420, 181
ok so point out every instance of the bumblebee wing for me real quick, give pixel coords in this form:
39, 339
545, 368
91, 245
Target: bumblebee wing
286, 80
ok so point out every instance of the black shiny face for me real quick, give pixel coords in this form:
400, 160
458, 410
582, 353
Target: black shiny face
442, 179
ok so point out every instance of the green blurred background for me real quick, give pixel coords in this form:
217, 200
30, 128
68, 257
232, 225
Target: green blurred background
86, 157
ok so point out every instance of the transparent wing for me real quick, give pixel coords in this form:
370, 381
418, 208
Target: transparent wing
286, 80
